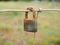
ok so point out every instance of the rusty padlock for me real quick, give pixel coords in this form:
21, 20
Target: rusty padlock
30, 25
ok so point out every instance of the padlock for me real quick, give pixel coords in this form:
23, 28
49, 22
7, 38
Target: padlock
30, 25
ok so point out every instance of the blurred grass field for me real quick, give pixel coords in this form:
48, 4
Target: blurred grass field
11, 24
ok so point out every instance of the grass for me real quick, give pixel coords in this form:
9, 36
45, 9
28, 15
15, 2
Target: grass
48, 22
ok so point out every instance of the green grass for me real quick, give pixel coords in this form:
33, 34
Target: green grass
48, 22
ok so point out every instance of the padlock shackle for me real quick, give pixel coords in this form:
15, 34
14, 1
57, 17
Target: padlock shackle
32, 10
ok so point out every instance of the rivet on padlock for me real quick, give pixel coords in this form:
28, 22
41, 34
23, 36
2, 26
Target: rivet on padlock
30, 25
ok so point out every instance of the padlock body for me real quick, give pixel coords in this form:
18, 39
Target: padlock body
30, 25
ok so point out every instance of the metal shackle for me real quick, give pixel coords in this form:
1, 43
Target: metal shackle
32, 10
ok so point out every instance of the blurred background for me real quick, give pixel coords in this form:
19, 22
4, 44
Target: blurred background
11, 23
31, 0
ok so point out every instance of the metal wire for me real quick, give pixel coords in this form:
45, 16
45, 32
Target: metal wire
34, 38
40, 9
13, 10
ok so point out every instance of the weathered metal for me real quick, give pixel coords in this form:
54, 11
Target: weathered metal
30, 25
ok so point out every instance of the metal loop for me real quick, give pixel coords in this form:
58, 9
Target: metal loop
32, 10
